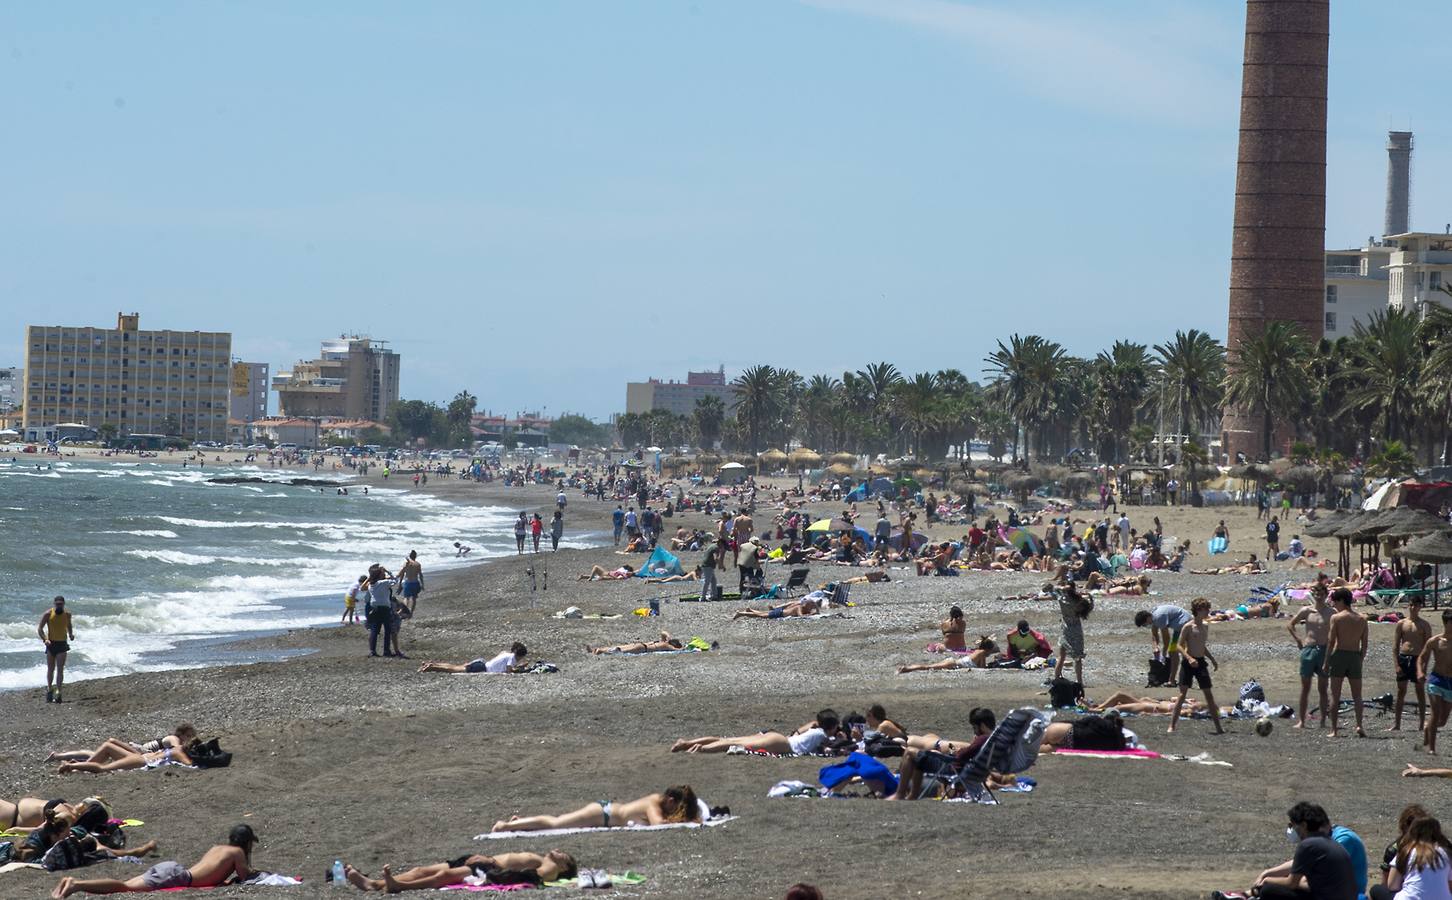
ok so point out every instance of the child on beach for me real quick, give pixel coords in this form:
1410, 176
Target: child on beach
1195, 653
350, 600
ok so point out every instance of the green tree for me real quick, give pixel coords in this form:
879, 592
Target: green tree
1191, 368
459, 414
1268, 375
415, 420
709, 416
108, 431
1026, 378
759, 399
1384, 371
1120, 376
633, 430
1394, 461
571, 428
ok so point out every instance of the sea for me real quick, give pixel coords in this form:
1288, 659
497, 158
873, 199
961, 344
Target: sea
161, 567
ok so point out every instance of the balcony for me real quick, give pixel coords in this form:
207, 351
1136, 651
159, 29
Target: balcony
1345, 272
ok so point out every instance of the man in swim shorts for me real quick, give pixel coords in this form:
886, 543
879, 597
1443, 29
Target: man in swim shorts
1317, 620
1411, 636
56, 631
1165, 624
1195, 648
232, 860
411, 577
1435, 665
1344, 653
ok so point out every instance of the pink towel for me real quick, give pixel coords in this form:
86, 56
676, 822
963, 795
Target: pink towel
1110, 754
487, 887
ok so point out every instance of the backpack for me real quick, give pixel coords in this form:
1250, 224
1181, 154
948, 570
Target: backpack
1252, 690
1159, 672
209, 755
1063, 692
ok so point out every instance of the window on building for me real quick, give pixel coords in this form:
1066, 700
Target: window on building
1330, 321
1434, 280
1330, 293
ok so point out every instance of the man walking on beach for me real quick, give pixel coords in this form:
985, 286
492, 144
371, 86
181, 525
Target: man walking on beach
1317, 619
1195, 648
1435, 665
56, 631
1344, 654
617, 519
1411, 636
1273, 537
410, 575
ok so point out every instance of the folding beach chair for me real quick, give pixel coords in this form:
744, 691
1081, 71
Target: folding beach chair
798, 578
838, 597
1013, 747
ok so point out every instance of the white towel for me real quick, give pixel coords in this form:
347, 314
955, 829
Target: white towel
556, 832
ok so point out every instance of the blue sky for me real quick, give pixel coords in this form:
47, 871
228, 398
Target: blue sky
539, 201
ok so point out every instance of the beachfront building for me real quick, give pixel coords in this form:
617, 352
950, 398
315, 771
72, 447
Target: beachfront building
249, 391
353, 378
11, 389
524, 430
1418, 268
126, 380
1356, 286
678, 397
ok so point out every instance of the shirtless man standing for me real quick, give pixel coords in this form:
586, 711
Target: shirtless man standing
1317, 619
1344, 654
410, 574
223, 861
1412, 635
741, 532
1435, 665
1195, 648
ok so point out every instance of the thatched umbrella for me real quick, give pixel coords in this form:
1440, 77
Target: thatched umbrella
924, 474
1305, 479
708, 462
1430, 548
962, 484
1077, 484
1326, 525
838, 470
1416, 523
773, 457
1345, 531
803, 458
877, 469
1023, 485
843, 459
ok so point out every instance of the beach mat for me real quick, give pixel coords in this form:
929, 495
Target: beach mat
557, 832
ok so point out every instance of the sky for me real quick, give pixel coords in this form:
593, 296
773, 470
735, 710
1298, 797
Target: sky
540, 201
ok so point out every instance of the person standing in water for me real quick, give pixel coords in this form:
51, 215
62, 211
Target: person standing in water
56, 631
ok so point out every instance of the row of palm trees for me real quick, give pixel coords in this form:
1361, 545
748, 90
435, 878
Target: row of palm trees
1390, 381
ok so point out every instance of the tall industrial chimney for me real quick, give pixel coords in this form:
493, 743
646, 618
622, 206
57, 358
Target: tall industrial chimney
1277, 259
1398, 182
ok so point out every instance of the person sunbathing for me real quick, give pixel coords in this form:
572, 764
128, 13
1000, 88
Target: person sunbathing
794, 609
808, 739
232, 860
119, 756
1251, 566
502, 869
1412, 771
178, 739
1267, 609
599, 573
1131, 587
1105, 733
675, 804
865, 578
28, 813
60, 820
693, 575
665, 645
1125, 702
977, 658
507, 663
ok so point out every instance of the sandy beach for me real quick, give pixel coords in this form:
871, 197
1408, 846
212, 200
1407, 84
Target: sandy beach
342, 756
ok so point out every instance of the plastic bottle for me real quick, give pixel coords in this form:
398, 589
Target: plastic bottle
338, 877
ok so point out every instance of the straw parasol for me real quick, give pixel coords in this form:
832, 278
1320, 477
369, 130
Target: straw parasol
804, 458
1430, 548
1327, 525
1416, 523
1023, 485
708, 460
838, 470
923, 473
772, 457
843, 459
962, 484
1303, 478
877, 469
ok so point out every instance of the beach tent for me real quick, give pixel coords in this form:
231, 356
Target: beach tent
1385, 497
733, 472
919, 539
1026, 543
662, 562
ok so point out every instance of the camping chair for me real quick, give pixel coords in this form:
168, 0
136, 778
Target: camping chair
753, 585
797, 579
1013, 747
838, 597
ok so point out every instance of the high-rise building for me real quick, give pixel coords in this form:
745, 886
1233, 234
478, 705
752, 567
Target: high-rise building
676, 396
1356, 287
1277, 263
12, 388
249, 391
138, 382
353, 378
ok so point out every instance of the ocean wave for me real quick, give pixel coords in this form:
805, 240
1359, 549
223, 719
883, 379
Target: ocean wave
144, 532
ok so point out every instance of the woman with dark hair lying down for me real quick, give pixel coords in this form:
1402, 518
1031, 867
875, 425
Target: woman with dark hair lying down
675, 804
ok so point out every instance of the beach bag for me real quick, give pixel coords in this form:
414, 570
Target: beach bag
1252, 690
1063, 692
1159, 672
209, 755
880, 746
65, 853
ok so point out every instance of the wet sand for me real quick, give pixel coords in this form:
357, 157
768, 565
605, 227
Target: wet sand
339, 755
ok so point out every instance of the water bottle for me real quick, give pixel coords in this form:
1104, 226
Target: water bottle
338, 877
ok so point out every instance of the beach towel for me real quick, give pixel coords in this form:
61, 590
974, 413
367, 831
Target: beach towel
1110, 754
557, 832
488, 887
627, 877
1217, 545
261, 879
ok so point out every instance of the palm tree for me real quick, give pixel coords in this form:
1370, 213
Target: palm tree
816, 407
1026, 373
1268, 375
758, 399
917, 403
1385, 369
1121, 375
1192, 370
709, 414
1437, 368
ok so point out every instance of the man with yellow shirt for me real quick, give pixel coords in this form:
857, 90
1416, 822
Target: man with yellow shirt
56, 631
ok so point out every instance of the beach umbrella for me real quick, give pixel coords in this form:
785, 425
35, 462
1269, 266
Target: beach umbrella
844, 459
1385, 497
837, 524
1415, 523
1023, 485
1430, 548
910, 483
962, 484
731, 466
895, 541
1327, 525
1303, 478
803, 458
838, 470
772, 457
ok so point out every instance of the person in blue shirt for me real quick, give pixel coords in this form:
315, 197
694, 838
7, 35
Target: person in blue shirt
1329, 862
617, 518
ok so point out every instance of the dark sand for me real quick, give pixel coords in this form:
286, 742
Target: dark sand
338, 755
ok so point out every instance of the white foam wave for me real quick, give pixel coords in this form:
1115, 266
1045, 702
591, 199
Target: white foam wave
144, 532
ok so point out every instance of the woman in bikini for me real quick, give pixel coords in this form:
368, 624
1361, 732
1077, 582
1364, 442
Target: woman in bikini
178, 739
118, 756
22, 815
501, 868
953, 628
664, 645
675, 804
598, 573
977, 658
1125, 702
808, 739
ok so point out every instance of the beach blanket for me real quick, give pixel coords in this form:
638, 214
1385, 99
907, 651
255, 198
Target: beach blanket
261, 879
557, 832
